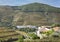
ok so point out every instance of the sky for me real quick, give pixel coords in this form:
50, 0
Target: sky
55, 3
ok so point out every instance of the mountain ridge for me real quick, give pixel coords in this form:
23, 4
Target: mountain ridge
30, 14
38, 7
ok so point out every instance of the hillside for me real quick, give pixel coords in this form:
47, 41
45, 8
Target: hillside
30, 14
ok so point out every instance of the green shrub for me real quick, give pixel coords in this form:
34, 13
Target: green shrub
20, 39
34, 36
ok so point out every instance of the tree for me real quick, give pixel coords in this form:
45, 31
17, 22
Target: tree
55, 25
49, 32
20, 39
34, 36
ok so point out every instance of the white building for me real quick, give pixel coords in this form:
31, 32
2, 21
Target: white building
42, 29
26, 26
21, 26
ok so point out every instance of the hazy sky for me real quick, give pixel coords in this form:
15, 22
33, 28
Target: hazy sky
55, 3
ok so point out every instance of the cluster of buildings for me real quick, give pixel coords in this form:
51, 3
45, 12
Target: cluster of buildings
46, 29
41, 29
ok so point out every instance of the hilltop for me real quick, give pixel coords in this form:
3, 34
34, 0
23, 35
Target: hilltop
38, 7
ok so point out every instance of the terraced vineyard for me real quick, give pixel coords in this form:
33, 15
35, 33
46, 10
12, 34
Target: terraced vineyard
6, 34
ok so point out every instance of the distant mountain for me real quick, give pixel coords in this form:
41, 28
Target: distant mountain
38, 7
30, 14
